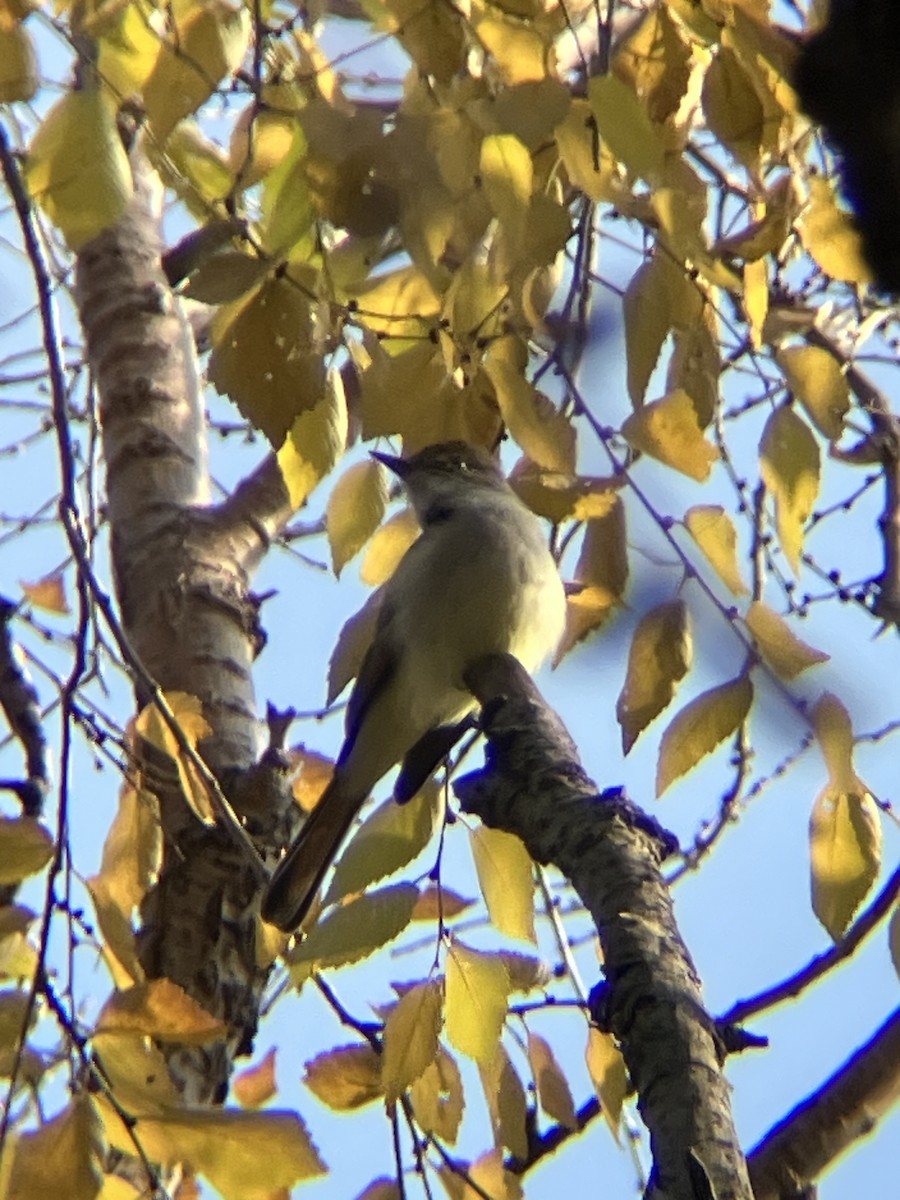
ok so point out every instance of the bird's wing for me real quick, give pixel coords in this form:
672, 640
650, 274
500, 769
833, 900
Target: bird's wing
377, 670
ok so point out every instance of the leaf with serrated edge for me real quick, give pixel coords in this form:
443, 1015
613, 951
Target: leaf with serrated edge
713, 531
437, 1097
668, 430
154, 728
829, 236
354, 511
314, 442
789, 465
553, 1089
358, 929
845, 855
544, 433
606, 1068
658, 659
253, 1087
787, 654
817, 381
477, 999
411, 1037
506, 877
834, 732
506, 1102
346, 1077
160, 1009
700, 727
61, 1158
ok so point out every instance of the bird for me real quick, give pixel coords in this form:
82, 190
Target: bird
479, 580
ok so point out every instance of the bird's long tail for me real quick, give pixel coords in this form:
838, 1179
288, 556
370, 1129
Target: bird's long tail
300, 873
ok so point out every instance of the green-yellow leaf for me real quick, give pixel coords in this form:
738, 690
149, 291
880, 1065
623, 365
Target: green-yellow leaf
834, 732
789, 466
390, 838
506, 877
18, 65
606, 1068
507, 175
713, 531
845, 854
411, 1037
553, 1089
354, 510
660, 655
787, 654
315, 442
668, 430
359, 928
647, 323
543, 432
77, 168
829, 235
345, 1078
624, 124
477, 998
814, 377
26, 847
437, 1097
733, 108
700, 727
756, 298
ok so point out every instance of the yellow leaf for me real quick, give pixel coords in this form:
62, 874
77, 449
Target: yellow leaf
560, 496
713, 531
654, 59
437, 1097
48, 593
477, 998
700, 727
288, 212
354, 510
345, 1078
507, 1106
315, 442
756, 298
26, 847
816, 379
831, 721
434, 36
789, 466
625, 126
136, 1072
206, 44
188, 712
606, 1068
381, 1189
829, 235
359, 928
264, 135
519, 52
387, 547
18, 957
400, 304
266, 358
660, 655
353, 642
588, 162
224, 277
18, 65
411, 1038
254, 1086
313, 775
696, 362
658, 298
61, 1158
440, 903
553, 1089
603, 561
733, 109
506, 878
543, 432
160, 1009
586, 611
128, 51
845, 855
132, 852
787, 654
388, 839
507, 174
668, 429
77, 168
227, 1146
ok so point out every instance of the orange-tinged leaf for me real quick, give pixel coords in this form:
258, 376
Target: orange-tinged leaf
606, 1068
381, 1189
506, 877
440, 903
845, 854
713, 531
77, 168
586, 610
132, 852
789, 466
226, 1146
152, 726
829, 235
816, 379
411, 1037
388, 839
358, 929
506, 1102
354, 510
118, 943
48, 593
387, 547
553, 1089
26, 846
543, 432
668, 430
477, 998
787, 654
353, 642
253, 1087
626, 128
526, 973
834, 730
313, 775
659, 657
315, 442
700, 727
61, 1158
437, 1097
160, 1009
345, 1078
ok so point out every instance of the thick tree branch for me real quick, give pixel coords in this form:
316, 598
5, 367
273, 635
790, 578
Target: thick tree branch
535, 787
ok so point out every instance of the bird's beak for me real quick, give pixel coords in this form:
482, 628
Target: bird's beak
399, 466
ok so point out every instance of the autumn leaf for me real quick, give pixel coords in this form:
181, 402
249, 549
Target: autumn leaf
713, 531
789, 465
151, 725
506, 877
477, 998
845, 855
553, 1089
816, 380
26, 846
437, 1097
700, 727
358, 929
606, 1068
787, 654
345, 1078
48, 593
354, 511
411, 1037
506, 1102
668, 430
659, 657
254, 1086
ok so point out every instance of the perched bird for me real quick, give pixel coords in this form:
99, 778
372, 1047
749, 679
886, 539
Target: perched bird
479, 580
